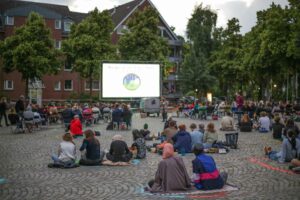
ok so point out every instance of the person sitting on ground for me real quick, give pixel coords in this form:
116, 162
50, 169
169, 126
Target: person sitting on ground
206, 175
245, 124
66, 153
295, 165
264, 123
182, 140
210, 136
201, 128
91, 145
197, 137
290, 125
139, 144
119, 151
290, 149
171, 174
169, 132
227, 122
76, 127
167, 123
145, 132
277, 128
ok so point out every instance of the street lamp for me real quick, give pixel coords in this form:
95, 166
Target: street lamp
196, 93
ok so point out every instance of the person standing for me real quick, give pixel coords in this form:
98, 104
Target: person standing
239, 104
3, 108
20, 106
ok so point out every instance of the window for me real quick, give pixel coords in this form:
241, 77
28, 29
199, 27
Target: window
95, 85
57, 86
67, 26
8, 85
57, 24
9, 20
122, 29
57, 44
163, 32
68, 65
68, 85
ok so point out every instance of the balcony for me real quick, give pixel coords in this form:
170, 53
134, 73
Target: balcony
175, 42
175, 59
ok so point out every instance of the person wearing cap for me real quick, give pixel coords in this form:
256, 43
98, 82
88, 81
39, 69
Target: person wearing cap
76, 127
206, 175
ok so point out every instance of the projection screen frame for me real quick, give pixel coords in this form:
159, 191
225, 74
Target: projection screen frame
129, 62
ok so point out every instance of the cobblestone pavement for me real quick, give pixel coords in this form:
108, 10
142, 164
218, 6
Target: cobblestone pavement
24, 159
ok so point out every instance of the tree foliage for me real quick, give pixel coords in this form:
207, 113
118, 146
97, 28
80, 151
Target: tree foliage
142, 41
89, 44
30, 50
195, 73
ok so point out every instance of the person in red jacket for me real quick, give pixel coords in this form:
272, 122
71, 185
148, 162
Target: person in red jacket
76, 127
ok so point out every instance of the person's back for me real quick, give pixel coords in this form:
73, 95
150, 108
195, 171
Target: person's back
197, 137
277, 130
264, 123
210, 137
67, 115
67, 151
118, 149
183, 142
92, 147
227, 123
288, 152
28, 115
76, 126
169, 133
207, 176
141, 148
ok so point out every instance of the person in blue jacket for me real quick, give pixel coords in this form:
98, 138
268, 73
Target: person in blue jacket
182, 140
206, 176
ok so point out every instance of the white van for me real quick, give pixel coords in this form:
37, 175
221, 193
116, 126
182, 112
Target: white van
150, 105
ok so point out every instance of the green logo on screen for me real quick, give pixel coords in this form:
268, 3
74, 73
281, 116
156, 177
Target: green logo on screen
131, 82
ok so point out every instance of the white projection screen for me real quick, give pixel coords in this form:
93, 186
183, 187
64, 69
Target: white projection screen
129, 80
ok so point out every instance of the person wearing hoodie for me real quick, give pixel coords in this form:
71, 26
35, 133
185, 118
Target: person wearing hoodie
76, 127
182, 140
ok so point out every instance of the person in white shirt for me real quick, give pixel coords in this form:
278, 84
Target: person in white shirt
66, 152
227, 122
264, 123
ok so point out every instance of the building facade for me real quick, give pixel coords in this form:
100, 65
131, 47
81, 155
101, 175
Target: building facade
67, 84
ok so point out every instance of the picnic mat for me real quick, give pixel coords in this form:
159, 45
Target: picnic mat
110, 163
194, 193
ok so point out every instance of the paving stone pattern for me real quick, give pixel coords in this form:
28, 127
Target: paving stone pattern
24, 159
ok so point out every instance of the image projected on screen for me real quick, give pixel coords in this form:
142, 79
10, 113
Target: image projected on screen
128, 80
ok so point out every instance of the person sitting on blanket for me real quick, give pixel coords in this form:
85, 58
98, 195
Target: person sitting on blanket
290, 149
264, 123
145, 132
169, 132
76, 127
171, 174
227, 122
206, 176
182, 140
66, 153
119, 151
197, 136
91, 146
139, 144
210, 136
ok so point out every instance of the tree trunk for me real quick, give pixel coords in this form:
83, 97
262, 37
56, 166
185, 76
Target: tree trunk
26, 89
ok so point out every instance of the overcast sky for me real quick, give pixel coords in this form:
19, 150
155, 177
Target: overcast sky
177, 12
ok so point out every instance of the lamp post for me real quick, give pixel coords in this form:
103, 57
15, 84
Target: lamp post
196, 93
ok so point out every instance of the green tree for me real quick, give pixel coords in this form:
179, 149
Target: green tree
265, 48
195, 74
89, 44
30, 50
142, 41
225, 60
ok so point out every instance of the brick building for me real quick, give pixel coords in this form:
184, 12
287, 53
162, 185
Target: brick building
67, 84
